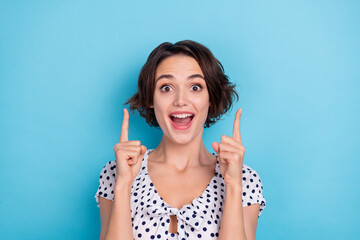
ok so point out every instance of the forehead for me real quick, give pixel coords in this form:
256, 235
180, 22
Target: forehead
178, 64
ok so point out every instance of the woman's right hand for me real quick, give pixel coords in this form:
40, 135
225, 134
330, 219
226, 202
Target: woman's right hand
129, 154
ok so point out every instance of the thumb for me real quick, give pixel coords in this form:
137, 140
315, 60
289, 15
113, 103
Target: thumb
143, 150
215, 146
141, 156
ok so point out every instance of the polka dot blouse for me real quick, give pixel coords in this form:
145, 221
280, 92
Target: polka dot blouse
201, 219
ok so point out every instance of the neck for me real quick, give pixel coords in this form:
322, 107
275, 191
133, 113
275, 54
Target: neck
181, 157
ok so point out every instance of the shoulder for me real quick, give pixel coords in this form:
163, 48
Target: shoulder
107, 180
249, 173
251, 178
252, 188
109, 170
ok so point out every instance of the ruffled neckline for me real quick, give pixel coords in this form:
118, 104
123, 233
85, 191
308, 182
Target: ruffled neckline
192, 213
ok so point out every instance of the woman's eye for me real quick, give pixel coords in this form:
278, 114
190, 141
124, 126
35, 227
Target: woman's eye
196, 87
165, 88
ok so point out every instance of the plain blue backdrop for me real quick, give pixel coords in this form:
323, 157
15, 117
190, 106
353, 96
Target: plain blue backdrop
67, 67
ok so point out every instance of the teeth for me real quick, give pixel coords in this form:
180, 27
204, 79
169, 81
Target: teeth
182, 115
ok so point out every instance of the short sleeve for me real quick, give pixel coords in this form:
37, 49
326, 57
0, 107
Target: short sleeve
252, 189
106, 182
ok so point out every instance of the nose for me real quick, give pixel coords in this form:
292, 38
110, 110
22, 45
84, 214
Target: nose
181, 98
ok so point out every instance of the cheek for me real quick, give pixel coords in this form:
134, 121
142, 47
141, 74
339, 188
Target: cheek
202, 102
203, 107
159, 109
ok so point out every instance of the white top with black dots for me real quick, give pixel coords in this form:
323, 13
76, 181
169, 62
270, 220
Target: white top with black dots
150, 214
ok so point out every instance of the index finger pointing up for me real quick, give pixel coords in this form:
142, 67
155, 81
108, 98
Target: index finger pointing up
125, 127
236, 128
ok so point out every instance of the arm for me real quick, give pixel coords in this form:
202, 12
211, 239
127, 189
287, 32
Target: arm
232, 223
129, 155
120, 226
238, 222
251, 216
105, 213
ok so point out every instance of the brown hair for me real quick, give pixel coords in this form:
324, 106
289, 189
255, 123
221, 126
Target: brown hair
221, 90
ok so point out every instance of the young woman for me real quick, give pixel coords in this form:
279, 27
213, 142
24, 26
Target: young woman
180, 190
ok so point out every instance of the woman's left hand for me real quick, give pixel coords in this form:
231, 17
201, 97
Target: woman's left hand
231, 153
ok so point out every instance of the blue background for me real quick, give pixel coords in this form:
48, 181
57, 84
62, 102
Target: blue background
67, 67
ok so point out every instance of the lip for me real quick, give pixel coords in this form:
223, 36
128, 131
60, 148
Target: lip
181, 127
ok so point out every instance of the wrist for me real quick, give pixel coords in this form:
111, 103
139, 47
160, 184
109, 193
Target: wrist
122, 185
233, 187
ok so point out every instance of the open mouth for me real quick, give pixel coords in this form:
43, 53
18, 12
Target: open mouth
181, 121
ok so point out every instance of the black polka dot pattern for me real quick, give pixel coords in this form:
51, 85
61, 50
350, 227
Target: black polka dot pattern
201, 219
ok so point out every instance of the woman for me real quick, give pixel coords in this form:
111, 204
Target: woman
180, 190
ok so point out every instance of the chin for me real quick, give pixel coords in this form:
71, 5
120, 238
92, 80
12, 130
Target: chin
181, 140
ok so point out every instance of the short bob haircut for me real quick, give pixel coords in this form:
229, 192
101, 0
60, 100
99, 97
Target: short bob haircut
221, 90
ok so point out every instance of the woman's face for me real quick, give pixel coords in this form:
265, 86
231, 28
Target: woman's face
181, 98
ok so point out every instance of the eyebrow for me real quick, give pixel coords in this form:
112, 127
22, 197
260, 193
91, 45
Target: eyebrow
171, 76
